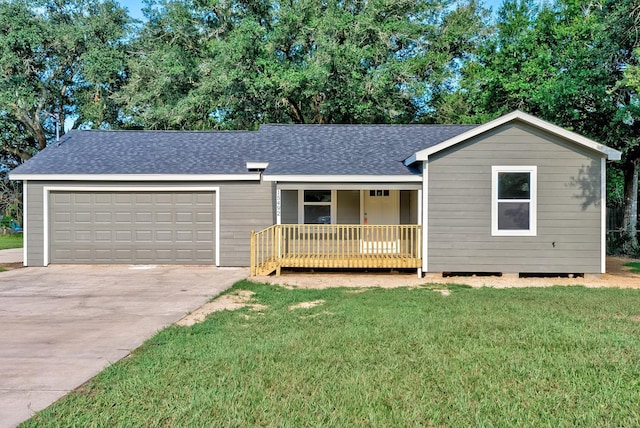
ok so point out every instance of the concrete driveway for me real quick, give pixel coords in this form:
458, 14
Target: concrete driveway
61, 325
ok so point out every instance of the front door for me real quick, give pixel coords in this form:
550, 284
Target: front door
381, 206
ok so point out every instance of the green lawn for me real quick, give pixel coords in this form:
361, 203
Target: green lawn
635, 266
10, 241
561, 356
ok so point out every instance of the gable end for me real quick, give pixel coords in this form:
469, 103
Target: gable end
517, 116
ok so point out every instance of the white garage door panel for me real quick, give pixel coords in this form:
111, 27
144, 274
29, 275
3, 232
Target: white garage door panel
132, 227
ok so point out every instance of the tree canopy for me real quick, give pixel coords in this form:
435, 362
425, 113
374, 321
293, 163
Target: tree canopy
58, 58
235, 64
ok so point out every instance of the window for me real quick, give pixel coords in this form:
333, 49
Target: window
378, 193
317, 207
513, 194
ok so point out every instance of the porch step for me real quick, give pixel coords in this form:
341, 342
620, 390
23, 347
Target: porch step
267, 267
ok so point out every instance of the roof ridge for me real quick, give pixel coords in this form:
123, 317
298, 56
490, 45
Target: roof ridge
364, 124
166, 131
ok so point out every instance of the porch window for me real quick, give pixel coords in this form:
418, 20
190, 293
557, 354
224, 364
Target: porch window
513, 194
317, 206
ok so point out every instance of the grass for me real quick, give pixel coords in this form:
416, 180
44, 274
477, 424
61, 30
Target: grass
560, 356
10, 241
635, 266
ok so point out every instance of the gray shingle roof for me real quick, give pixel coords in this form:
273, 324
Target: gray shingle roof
289, 149
349, 149
143, 152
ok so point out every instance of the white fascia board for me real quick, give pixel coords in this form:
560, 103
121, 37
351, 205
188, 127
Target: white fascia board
615, 155
422, 155
137, 177
344, 178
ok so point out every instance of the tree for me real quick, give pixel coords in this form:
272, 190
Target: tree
164, 67
58, 58
235, 64
625, 15
631, 83
22, 100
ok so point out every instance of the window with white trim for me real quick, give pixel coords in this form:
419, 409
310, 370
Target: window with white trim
316, 206
513, 197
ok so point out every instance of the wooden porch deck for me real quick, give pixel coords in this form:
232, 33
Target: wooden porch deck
335, 246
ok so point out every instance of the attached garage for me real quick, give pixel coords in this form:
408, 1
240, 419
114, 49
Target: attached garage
131, 226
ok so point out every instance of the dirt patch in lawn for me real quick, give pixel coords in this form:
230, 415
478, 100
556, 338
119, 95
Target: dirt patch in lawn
10, 266
617, 275
306, 305
228, 302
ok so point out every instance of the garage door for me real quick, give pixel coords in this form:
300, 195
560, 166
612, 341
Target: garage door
132, 227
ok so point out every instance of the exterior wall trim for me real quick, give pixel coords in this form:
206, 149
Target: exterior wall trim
25, 221
46, 190
333, 206
137, 177
533, 200
344, 178
424, 231
425, 215
350, 186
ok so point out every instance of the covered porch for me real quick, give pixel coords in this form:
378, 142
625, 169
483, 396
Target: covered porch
335, 246
356, 226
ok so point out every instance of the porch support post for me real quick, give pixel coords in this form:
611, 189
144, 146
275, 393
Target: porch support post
603, 215
420, 223
425, 215
278, 206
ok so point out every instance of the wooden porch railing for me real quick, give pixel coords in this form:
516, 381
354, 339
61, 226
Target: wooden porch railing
335, 246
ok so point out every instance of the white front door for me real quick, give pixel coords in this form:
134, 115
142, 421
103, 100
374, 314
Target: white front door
381, 206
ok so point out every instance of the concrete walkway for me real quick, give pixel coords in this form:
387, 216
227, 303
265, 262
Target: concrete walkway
61, 325
12, 255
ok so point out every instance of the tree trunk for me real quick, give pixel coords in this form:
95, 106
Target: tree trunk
630, 220
296, 113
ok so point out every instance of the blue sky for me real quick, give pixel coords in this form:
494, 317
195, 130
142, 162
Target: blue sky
135, 6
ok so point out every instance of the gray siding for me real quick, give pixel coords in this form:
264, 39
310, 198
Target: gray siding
289, 206
348, 207
34, 224
244, 206
568, 206
408, 207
